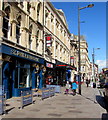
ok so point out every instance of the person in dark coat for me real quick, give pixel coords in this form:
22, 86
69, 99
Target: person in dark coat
87, 82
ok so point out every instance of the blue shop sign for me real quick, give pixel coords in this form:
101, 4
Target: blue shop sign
18, 53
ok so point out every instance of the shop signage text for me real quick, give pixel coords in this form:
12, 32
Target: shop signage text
49, 65
24, 55
18, 53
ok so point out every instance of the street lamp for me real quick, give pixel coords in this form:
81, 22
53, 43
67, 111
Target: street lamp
93, 62
79, 62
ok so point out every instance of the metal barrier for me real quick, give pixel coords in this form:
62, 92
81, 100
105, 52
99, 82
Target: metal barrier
57, 88
3, 104
48, 92
2, 100
26, 98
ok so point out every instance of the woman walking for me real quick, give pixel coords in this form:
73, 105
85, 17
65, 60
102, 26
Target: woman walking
67, 87
74, 87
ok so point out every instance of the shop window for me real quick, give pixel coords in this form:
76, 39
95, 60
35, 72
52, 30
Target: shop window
22, 76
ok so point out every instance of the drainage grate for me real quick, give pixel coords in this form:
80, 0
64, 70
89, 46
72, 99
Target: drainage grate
56, 115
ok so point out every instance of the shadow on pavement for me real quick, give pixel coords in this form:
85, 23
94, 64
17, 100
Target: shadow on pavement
89, 99
8, 110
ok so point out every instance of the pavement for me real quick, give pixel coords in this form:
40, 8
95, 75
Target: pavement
59, 106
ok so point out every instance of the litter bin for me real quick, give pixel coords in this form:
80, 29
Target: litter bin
94, 85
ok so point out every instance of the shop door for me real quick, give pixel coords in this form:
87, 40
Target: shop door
7, 79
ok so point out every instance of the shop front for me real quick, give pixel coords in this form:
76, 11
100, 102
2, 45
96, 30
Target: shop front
20, 71
49, 75
63, 72
60, 73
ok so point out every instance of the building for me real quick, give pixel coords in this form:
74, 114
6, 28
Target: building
57, 45
21, 38
74, 56
35, 46
85, 62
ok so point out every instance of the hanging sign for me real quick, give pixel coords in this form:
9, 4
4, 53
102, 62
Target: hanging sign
72, 60
48, 40
49, 65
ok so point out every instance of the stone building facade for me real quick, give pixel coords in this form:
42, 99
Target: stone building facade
35, 46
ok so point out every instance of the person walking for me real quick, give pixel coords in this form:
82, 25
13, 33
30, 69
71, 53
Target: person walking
74, 87
67, 87
87, 82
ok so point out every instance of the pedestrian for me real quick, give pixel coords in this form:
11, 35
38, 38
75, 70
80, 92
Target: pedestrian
74, 87
67, 87
87, 82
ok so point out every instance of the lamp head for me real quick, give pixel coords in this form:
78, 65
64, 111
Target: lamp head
98, 48
90, 5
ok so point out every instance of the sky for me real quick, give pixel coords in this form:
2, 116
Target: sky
94, 28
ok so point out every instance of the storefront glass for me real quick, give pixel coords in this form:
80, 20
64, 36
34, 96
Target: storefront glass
22, 76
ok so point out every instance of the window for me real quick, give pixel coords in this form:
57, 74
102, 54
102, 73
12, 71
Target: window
37, 38
52, 18
5, 26
46, 18
61, 29
22, 75
30, 33
38, 11
18, 29
28, 7
57, 23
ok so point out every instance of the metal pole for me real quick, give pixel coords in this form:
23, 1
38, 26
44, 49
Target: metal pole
79, 62
93, 66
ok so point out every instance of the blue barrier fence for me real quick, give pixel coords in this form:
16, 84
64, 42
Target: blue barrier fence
2, 100
57, 88
26, 98
48, 92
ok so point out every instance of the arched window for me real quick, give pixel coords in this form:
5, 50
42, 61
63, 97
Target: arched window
37, 38
5, 28
18, 28
30, 33
28, 7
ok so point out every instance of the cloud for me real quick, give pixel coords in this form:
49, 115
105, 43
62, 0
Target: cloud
101, 64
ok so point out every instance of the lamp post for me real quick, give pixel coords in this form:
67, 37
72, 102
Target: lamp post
93, 61
79, 62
